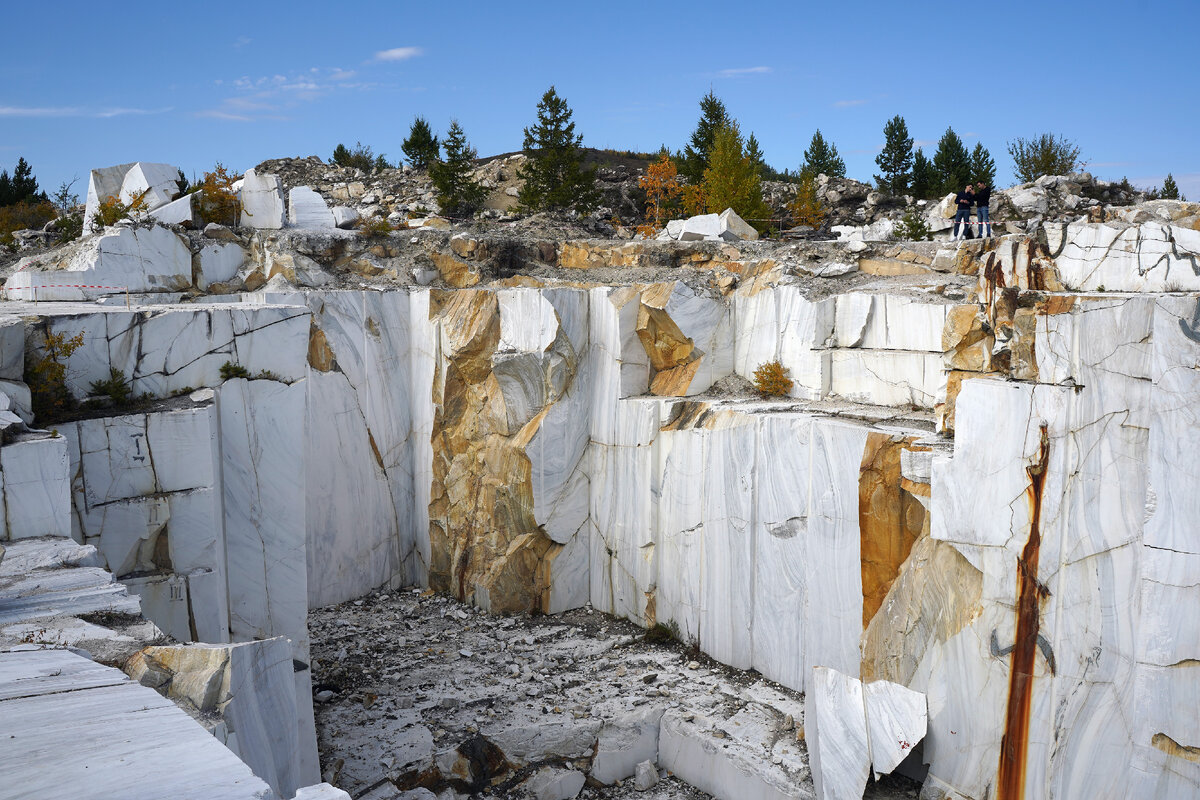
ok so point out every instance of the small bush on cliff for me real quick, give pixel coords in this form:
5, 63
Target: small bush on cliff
116, 387
111, 210
912, 228
771, 379
374, 227
46, 376
230, 370
459, 194
553, 172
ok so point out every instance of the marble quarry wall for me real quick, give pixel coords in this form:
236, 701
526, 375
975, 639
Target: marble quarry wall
987, 500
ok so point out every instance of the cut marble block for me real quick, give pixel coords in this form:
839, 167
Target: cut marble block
889, 322
125, 259
126, 181
219, 263
155, 184
177, 212
1120, 257
624, 742
887, 377
263, 480
706, 321
250, 687
704, 227
729, 768
262, 202
55, 577
307, 209
87, 731
835, 729
896, 721
37, 488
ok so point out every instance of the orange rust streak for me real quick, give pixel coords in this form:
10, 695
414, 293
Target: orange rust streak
1015, 744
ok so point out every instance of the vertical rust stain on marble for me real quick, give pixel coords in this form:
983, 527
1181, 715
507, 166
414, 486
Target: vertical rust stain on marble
890, 518
1014, 745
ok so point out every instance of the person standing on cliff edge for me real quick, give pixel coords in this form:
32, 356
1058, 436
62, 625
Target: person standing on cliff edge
962, 216
983, 195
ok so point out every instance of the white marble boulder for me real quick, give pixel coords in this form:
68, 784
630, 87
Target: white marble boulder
262, 203
157, 184
307, 209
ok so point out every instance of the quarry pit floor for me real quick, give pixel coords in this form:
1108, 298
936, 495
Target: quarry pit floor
405, 682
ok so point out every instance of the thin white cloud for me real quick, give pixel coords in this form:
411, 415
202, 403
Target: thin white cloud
242, 41
19, 111
738, 72
849, 103
76, 111
122, 112
924, 142
267, 96
398, 54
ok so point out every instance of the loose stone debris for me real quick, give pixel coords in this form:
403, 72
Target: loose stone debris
416, 691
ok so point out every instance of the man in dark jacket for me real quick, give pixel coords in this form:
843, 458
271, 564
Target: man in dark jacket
962, 216
983, 195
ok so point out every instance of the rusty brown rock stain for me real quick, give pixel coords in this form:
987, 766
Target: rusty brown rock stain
1014, 745
1174, 748
890, 518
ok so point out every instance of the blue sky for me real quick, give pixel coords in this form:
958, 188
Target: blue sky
86, 85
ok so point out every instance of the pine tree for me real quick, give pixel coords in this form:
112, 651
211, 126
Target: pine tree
20, 186
924, 179
951, 163
983, 168
821, 158
1047, 154
896, 160
554, 175
1170, 189
754, 153
695, 155
421, 146
459, 194
732, 179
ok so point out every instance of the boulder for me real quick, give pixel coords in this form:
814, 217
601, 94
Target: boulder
645, 776
555, 783
1029, 200
157, 183
624, 742
262, 201
344, 217
177, 212
704, 227
307, 209
734, 228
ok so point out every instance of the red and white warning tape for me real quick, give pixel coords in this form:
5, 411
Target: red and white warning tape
63, 286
